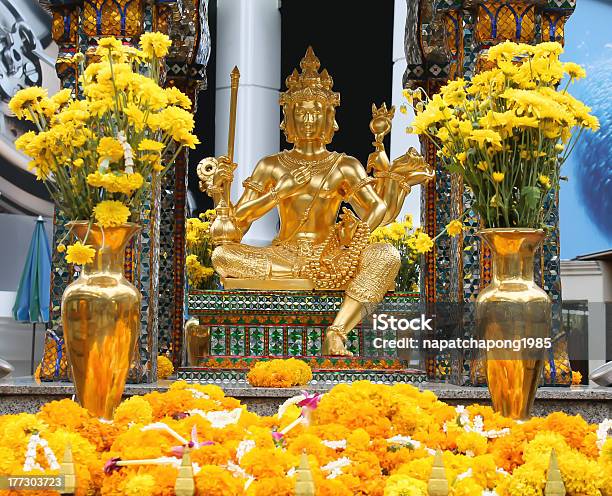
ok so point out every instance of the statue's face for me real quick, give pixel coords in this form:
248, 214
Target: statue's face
309, 120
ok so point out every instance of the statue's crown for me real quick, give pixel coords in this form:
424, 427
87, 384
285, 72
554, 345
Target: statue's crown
310, 84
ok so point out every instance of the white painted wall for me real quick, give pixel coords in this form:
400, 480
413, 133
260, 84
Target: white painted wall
591, 281
400, 140
249, 36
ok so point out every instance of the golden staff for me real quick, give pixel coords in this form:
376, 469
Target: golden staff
235, 78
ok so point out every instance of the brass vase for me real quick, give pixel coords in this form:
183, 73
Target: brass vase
101, 320
197, 337
515, 314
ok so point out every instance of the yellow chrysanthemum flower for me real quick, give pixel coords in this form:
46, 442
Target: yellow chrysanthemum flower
27, 98
108, 43
110, 148
177, 97
111, 213
454, 228
544, 181
423, 243
80, 254
61, 248
574, 70
150, 145
498, 177
155, 44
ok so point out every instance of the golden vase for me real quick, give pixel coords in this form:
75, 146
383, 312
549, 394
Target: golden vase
101, 320
514, 315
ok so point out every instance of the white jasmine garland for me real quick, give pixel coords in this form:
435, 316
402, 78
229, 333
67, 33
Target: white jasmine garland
340, 444
128, 154
603, 430
406, 441
198, 395
243, 448
30, 462
219, 419
465, 475
335, 468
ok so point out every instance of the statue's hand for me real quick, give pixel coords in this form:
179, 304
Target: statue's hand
289, 184
225, 171
378, 161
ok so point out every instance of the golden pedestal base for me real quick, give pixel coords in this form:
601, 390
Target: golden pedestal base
274, 284
268, 284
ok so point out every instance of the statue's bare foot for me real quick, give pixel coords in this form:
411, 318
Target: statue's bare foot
335, 342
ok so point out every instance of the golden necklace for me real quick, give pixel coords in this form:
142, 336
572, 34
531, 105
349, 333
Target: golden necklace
315, 165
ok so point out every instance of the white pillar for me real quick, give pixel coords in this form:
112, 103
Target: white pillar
249, 36
400, 140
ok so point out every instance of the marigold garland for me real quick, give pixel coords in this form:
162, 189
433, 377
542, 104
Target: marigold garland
280, 373
362, 438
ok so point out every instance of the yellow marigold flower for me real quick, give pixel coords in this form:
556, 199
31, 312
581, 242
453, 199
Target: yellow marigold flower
150, 145
111, 213
544, 181
404, 485
61, 248
25, 98
140, 485
462, 157
280, 373
423, 243
108, 43
77, 162
110, 148
454, 227
498, 177
135, 409
164, 367
482, 165
574, 70
80, 254
155, 44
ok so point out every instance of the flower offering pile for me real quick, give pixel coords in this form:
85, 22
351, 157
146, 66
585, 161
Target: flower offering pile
360, 439
281, 373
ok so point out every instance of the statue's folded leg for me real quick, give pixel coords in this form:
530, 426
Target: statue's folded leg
377, 270
241, 261
252, 262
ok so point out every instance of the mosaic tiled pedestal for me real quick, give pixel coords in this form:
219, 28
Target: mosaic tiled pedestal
246, 326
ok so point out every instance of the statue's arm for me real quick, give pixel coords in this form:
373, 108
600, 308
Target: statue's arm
358, 190
259, 196
395, 180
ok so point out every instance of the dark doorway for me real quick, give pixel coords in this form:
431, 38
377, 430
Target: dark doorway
354, 42
205, 120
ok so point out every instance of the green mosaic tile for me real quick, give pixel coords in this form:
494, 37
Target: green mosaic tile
275, 341
237, 341
256, 341
352, 342
294, 341
217, 341
313, 341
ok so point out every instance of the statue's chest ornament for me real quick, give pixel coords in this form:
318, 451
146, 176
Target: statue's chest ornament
298, 166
